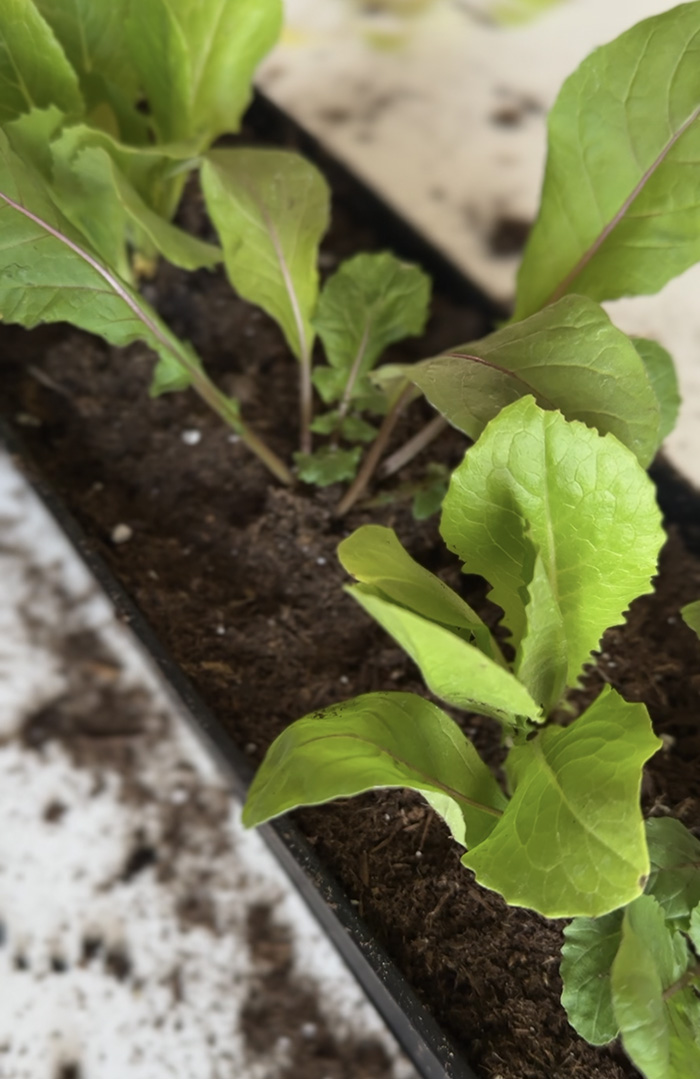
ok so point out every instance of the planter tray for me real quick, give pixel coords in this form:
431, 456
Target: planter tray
432, 1053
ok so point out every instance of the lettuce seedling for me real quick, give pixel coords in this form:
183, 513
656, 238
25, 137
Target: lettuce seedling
564, 525
634, 973
271, 210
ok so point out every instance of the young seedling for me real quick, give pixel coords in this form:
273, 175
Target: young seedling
634, 973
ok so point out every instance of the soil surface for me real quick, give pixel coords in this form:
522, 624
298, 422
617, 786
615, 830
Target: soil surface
241, 580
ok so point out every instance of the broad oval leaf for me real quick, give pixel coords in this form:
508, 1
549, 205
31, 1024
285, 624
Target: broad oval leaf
34, 71
92, 34
543, 659
674, 881
535, 484
691, 616
375, 556
590, 946
370, 302
454, 670
196, 60
571, 841
49, 273
620, 212
658, 1016
270, 209
569, 356
328, 465
378, 740
661, 372
101, 200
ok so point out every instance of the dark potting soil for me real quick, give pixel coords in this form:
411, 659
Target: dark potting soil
240, 579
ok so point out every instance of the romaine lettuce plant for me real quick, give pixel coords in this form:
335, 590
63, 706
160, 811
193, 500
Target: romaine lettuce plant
563, 523
105, 109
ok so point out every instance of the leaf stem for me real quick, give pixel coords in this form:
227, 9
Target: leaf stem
306, 390
222, 405
564, 286
359, 485
352, 377
451, 791
685, 980
401, 457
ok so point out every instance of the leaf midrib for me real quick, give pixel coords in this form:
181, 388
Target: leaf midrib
565, 285
430, 780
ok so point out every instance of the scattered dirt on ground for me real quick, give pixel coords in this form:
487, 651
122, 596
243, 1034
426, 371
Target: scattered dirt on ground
282, 1006
240, 579
109, 729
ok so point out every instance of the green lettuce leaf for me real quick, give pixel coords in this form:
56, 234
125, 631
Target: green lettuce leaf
371, 301
92, 34
49, 273
543, 659
328, 465
661, 373
694, 929
34, 71
691, 615
374, 555
571, 841
569, 356
196, 61
99, 198
674, 880
378, 740
658, 1014
545, 487
270, 208
620, 211
454, 670
590, 947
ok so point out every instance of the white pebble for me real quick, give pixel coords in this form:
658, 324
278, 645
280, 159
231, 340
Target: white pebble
121, 533
221, 630
320, 561
191, 436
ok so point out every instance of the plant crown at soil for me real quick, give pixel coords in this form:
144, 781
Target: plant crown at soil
558, 515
